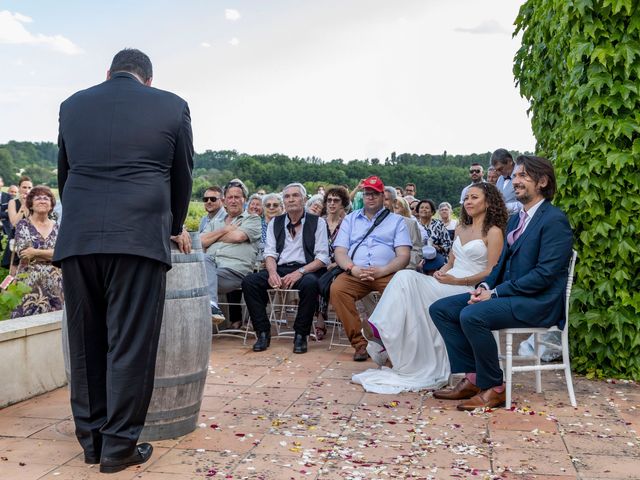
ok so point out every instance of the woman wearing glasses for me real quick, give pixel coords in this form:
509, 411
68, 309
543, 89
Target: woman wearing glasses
271, 207
336, 201
34, 242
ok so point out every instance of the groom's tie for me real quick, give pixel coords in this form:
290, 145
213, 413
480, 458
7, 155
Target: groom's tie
513, 236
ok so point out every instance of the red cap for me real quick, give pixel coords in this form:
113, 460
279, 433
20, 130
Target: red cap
374, 183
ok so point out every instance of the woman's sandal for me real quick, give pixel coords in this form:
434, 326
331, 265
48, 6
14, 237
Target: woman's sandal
321, 332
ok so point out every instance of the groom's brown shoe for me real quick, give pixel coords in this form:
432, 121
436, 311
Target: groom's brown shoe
463, 390
486, 399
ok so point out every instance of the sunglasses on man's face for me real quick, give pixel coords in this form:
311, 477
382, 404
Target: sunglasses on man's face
209, 199
474, 171
271, 205
333, 200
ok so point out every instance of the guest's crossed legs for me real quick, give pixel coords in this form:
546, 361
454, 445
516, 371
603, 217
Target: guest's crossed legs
466, 330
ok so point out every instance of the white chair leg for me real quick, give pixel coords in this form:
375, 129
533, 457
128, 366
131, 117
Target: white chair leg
567, 371
496, 336
509, 361
333, 332
537, 348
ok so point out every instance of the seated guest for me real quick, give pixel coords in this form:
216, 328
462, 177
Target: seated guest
413, 205
402, 209
410, 190
399, 192
475, 174
35, 239
402, 329
390, 196
231, 245
271, 208
369, 261
446, 215
212, 200
255, 205
434, 234
315, 204
492, 175
525, 289
295, 253
502, 163
336, 201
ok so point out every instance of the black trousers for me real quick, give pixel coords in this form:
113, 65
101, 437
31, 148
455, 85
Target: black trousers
114, 307
255, 286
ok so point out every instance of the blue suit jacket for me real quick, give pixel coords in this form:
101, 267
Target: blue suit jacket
533, 271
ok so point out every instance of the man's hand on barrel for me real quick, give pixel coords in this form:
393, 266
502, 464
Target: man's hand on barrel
183, 240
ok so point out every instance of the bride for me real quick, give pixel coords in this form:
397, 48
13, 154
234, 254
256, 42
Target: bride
404, 334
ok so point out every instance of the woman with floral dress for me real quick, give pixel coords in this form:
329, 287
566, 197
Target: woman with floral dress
35, 240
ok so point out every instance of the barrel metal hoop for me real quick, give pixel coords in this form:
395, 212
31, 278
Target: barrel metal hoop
174, 413
195, 257
166, 382
187, 293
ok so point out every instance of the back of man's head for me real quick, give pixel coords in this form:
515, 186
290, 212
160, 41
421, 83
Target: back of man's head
133, 61
501, 155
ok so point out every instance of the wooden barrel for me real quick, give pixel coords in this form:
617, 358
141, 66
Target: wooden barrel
183, 350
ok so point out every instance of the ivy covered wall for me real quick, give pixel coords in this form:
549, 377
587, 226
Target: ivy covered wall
579, 67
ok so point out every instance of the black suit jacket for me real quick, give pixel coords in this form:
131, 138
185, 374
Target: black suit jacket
4, 213
124, 170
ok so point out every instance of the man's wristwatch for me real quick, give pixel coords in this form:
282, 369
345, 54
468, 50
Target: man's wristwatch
348, 269
302, 270
494, 294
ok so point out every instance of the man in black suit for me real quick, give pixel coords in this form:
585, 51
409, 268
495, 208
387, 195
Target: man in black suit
124, 174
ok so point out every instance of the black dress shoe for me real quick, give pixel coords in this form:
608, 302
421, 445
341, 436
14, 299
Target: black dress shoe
141, 454
300, 343
91, 459
263, 342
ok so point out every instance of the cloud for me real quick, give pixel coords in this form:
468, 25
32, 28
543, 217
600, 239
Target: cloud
205, 44
487, 27
13, 31
231, 14
234, 42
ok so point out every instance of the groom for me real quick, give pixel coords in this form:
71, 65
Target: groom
526, 288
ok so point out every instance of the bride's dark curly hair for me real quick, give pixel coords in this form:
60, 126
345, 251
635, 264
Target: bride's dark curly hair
496, 209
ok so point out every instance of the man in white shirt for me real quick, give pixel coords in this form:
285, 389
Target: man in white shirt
502, 161
296, 253
475, 173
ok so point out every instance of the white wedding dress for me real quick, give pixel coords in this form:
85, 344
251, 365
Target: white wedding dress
415, 347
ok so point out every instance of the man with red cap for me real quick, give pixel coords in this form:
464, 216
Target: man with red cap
372, 245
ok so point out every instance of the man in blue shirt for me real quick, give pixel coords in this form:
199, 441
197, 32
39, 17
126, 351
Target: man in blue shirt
369, 267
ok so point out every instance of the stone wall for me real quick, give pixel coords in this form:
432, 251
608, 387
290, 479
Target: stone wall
31, 361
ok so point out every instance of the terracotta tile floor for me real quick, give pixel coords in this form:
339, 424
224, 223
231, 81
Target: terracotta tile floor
275, 415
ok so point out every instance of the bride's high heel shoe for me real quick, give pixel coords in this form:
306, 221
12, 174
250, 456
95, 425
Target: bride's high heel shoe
375, 347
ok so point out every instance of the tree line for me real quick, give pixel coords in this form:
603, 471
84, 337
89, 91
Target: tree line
440, 177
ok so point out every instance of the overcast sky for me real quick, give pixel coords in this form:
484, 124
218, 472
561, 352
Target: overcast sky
331, 78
